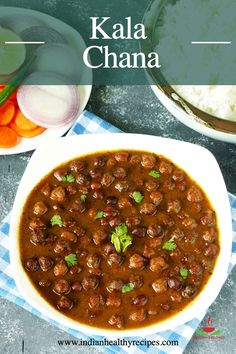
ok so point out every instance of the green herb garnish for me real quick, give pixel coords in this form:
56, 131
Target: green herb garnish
138, 197
169, 245
184, 273
126, 288
15, 82
155, 174
126, 241
83, 197
120, 238
56, 220
71, 260
68, 178
121, 229
99, 215
116, 242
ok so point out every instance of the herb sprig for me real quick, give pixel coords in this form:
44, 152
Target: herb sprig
184, 273
68, 178
120, 238
56, 220
154, 174
127, 288
138, 197
83, 197
169, 245
99, 215
71, 260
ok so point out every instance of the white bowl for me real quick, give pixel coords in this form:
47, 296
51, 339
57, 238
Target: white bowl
190, 120
198, 162
75, 40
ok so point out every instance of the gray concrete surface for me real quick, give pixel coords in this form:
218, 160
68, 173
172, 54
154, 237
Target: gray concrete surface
132, 109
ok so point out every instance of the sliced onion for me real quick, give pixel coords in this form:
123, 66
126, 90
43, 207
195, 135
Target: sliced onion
60, 59
42, 34
19, 22
48, 105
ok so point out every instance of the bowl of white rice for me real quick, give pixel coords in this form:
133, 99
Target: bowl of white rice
209, 109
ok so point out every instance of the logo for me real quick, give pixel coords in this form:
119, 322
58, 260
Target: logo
208, 331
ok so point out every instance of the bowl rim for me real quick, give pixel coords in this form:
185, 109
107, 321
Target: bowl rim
193, 113
187, 113
179, 109
84, 90
112, 142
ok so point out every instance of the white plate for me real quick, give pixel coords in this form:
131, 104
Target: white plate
198, 162
73, 38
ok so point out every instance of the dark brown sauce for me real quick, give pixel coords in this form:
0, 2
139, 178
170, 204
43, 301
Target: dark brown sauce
193, 252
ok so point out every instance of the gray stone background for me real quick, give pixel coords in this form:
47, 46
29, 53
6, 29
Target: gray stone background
132, 109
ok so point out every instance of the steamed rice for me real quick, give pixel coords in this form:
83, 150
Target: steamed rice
217, 100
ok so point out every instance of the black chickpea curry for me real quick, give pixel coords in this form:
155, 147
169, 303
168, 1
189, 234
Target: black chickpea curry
118, 240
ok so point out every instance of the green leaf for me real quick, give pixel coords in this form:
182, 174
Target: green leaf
71, 259
126, 241
99, 215
83, 197
120, 239
121, 230
138, 197
116, 242
169, 246
155, 174
184, 273
56, 220
126, 288
68, 178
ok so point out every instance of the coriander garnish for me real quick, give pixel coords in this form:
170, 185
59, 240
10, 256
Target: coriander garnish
56, 220
155, 174
184, 273
126, 288
169, 245
138, 197
71, 259
68, 178
120, 238
83, 197
99, 215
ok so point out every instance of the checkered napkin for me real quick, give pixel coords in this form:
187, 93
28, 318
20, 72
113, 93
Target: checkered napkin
89, 123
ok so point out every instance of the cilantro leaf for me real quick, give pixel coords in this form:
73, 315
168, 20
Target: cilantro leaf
126, 288
184, 273
126, 241
116, 242
99, 215
121, 229
138, 197
120, 239
83, 197
169, 246
56, 220
71, 259
155, 174
68, 178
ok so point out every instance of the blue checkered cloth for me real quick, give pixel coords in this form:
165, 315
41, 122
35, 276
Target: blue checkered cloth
89, 123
